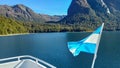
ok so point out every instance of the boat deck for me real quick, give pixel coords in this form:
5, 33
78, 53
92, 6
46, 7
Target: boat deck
9, 64
24, 62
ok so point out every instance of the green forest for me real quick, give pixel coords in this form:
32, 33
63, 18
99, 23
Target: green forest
11, 26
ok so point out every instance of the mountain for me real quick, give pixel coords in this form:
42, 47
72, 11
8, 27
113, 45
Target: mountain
93, 11
25, 14
20, 12
54, 18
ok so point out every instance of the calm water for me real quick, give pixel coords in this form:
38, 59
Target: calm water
52, 47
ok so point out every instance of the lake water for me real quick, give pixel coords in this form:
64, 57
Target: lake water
52, 47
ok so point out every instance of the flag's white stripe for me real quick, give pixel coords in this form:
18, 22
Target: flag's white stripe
92, 39
73, 50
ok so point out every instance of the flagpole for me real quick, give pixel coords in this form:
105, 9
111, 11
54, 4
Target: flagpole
95, 55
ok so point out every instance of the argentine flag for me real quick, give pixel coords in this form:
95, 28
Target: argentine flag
89, 44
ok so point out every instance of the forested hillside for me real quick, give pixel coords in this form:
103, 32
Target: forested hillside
10, 26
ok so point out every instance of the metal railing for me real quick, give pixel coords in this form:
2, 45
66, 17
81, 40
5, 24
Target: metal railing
37, 61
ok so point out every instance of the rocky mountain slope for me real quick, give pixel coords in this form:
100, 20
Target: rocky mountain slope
25, 14
93, 11
54, 18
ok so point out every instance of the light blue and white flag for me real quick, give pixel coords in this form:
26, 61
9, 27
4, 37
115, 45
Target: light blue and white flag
89, 44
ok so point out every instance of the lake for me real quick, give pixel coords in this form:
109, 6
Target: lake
52, 48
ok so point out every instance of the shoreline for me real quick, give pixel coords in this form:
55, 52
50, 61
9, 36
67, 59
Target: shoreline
46, 32
14, 34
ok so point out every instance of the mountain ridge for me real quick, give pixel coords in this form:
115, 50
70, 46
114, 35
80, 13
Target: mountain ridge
23, 13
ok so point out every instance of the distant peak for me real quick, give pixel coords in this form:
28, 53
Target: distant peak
20, 5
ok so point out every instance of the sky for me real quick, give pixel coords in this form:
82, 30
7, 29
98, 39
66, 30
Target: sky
51, 7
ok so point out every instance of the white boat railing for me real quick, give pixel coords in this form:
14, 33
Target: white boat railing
28, 57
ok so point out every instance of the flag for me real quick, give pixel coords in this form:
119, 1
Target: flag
88, 44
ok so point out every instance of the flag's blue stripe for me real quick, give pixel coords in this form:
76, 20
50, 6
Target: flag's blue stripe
88, 47
97, 31
73, 45
84, 47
